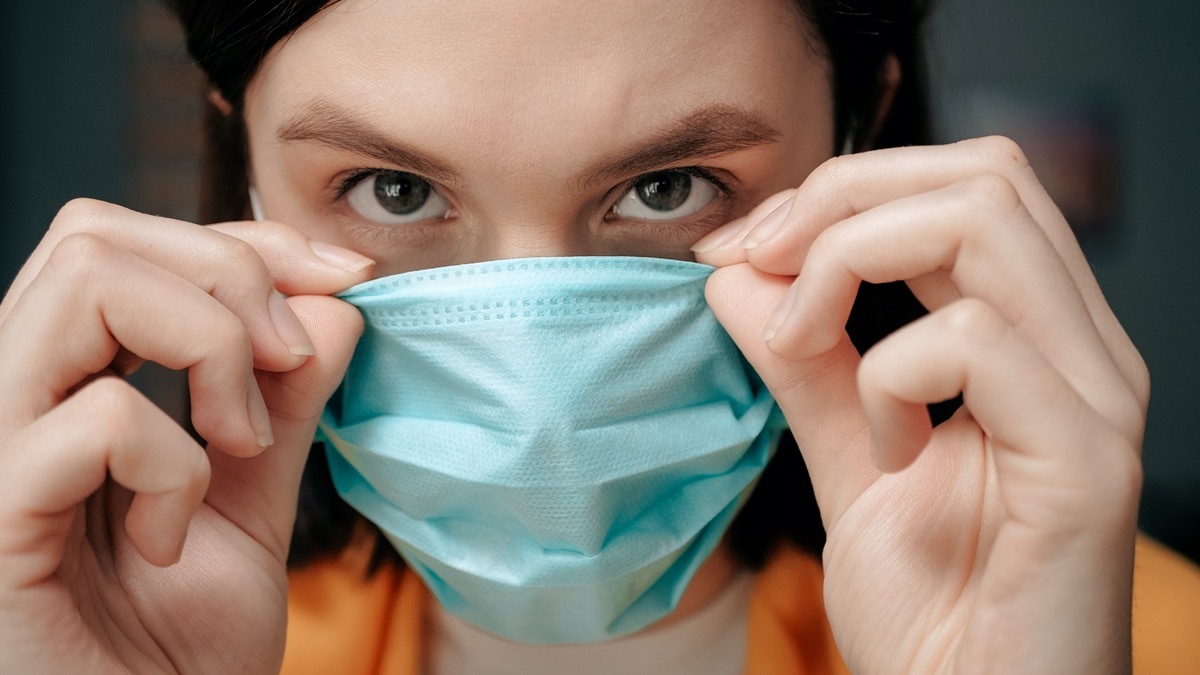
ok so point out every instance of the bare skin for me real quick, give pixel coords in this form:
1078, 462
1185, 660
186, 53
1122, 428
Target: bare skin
1000, 541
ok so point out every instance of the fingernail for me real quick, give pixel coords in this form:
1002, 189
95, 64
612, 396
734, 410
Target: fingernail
720, 236
767, 226
288, 326
260, 418
342, 258
780, 315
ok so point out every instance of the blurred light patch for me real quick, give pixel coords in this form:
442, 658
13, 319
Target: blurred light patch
1071, 144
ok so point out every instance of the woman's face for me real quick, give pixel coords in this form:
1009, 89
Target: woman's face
449, 131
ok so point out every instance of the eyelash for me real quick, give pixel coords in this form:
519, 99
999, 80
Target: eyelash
696, 171
346, 184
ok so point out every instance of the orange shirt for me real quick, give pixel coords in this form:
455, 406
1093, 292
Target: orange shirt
340, 622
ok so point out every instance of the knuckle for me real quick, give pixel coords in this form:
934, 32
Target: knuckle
871, 372
826, 245
244, 259
241, 253
975, 321
992, 192
208, 423
273, 235
228, 331
1133, 472
1122, 472
1127, 414
833, 170
1003, 150
79, 254
113, 403
197, 480
78, 214
1139, 379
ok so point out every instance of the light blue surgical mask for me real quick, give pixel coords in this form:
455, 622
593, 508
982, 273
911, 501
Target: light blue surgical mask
554, 444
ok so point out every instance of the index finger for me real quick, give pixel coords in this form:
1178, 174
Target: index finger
849, 185
241, 265
818, 395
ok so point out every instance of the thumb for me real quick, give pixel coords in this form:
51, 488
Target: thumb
818, 394
260, 494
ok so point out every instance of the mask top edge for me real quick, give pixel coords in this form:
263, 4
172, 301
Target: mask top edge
494, 271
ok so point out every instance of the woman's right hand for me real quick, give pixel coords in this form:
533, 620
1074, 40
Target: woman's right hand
99, 488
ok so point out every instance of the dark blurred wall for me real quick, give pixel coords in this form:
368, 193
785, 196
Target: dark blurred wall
93, 110
62, 125
67, 120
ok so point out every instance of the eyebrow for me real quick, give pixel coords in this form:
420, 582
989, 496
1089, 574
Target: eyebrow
708, 132
331, 126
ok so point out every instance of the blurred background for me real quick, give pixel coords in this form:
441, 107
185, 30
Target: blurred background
1104, 96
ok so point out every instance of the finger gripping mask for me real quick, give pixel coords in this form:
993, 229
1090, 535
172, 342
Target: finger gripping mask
554, 445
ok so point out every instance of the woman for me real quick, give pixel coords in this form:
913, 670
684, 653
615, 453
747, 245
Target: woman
384, 138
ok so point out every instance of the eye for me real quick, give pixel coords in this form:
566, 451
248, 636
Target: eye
395, 197
666, 195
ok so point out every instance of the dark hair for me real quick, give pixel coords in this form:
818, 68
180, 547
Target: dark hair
229, 39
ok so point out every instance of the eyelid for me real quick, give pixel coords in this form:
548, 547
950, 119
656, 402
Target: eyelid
347, 182
722, 184
344, 186
703, 173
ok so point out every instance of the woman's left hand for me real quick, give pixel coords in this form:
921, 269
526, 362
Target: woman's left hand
1002, 540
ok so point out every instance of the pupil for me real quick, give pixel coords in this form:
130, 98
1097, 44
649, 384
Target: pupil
401, 193
664, 190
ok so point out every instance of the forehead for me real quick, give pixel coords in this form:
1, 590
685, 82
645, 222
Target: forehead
503, 61
548, 35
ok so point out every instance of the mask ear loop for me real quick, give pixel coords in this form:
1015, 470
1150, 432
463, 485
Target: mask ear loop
256, 204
